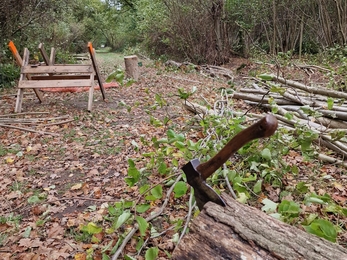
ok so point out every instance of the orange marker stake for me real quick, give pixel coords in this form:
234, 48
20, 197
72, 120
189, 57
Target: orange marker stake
12, 48
15, 53
90, 46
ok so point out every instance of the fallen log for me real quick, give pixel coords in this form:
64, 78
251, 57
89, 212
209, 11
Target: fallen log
238, 231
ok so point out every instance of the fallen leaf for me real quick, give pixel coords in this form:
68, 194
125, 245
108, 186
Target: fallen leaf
80, 256
4, 227
339, 186
338, 198
97, 192
9, 160
29, 243
5, 256
56, 231
76, 186
93, 173
85, 188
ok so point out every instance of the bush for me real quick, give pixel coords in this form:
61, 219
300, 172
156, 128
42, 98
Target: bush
9, 73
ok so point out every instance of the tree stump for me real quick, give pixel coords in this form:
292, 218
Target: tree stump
132, 67
238, 231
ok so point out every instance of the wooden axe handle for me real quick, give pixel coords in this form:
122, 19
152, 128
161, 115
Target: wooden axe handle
263, 128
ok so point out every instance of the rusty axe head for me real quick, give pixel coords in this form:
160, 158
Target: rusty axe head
197, 172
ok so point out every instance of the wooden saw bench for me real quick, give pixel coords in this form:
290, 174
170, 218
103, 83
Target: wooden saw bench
51, 75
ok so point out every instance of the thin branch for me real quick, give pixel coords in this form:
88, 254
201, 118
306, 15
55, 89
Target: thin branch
148, 219
24, 113
29, 130
189, 216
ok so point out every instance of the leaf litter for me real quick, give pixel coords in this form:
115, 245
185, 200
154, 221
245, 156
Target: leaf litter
53, 186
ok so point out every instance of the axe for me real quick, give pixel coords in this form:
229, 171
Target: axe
197, 172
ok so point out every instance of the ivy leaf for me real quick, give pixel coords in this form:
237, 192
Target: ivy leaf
27, 232
142, 208
131, 163
143, 225
33, 199
242, 197
91, 228
133, 173
257, 186
152, 253
269, 206
162, 168
266, 77
277, 89
330, 102
322, 228
180, 189
171, 134
289, 208
157, 191
266, 154
122, 218
144, 188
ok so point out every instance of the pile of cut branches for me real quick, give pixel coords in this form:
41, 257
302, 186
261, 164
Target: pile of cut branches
207, 70
297, 105
16, 121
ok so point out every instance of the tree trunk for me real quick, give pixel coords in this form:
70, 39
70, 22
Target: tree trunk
131, 67
238, 231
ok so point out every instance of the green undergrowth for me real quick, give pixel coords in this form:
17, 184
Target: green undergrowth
260, 168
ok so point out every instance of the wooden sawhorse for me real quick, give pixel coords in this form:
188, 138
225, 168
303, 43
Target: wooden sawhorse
50, 75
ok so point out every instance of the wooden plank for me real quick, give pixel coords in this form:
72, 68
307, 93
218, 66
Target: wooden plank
52, 57
22, 78
59, 77
55, 83
96, 69
44, 54
19, 62
57, 69
91, 92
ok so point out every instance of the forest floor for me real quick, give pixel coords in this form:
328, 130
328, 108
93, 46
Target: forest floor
51, 186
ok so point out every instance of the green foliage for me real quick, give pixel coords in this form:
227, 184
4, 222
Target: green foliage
64, 57
11, 219
322, 228
9, 74
91, 228
119, 76
289, 209
122, 218
152, 253
133, 173
143, 225
180, 189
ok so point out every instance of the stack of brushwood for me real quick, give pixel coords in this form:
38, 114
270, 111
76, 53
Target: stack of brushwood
208, 70
322, 110
22, 121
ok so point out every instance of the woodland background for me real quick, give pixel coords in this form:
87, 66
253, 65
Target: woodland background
81, 182
201, 31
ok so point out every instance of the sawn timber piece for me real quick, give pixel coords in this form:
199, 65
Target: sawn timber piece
239, 231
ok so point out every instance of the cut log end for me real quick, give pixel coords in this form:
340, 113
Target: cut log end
132, 67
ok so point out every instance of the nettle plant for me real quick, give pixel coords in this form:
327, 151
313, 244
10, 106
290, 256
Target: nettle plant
257, 164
